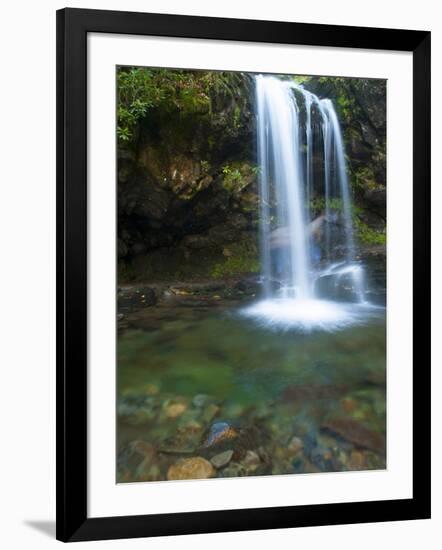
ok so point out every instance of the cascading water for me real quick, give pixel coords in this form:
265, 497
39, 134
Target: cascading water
295, 128
279, 150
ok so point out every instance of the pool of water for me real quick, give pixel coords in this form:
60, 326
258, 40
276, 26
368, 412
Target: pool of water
186, 371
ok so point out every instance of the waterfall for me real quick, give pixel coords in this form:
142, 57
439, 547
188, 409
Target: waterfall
301, 159
280, 159
358, 274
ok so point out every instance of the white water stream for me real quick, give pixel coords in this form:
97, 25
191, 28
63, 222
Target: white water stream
302, 164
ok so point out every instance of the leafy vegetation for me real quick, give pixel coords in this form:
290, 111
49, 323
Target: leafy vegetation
238, 176
141, 89
367, 235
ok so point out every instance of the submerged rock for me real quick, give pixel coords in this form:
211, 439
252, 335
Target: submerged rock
357, 461
312, 392
175, 409
137, 410
200, 400
349, 404
251, 461
191, 468
357, 433
138, 462
323, 459
222, 459
219, 432
183, 441
234, 469
295, 446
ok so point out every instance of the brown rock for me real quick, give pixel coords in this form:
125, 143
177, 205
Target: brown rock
357, 461
357, 433
191, 468
312, 392
348, 404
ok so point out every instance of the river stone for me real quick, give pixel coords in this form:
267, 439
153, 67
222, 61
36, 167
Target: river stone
251, 461
322, 458
148, 472
138, 461
189, 425
196, 467
221, 459
357, 461
295, 445
218, 433
234, 469
175, 409
184, 440
357, 433
200, 400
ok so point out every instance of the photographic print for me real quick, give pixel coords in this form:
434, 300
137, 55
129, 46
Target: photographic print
251, 274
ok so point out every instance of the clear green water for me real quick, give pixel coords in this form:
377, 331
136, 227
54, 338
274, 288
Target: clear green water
287, 383
231, 358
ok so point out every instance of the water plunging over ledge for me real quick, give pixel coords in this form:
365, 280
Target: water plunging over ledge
309, 273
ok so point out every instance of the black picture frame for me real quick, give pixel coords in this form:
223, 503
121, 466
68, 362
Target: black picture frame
73, 25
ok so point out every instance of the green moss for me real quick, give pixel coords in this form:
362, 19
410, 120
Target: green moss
317, 204
235, 266
363, 232
240, 258
250, 203
236, 117
367, 235
175, 264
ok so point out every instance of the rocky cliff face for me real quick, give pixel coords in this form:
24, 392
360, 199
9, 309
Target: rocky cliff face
188, 204
187, 197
